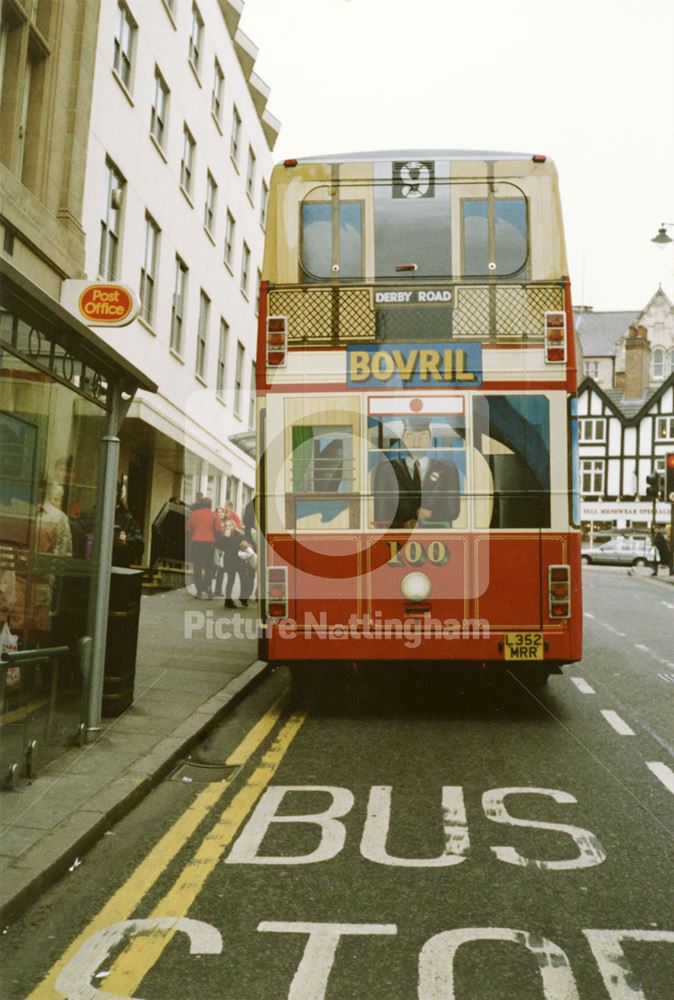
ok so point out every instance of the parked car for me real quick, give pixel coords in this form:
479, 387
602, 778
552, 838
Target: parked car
620, 551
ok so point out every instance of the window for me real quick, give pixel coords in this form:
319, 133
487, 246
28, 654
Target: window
658, 363
245, 264
264, 198
209, 207
325, 252
187, 163
125, 29
216, 96
250, 175
232, 490
178, 308
159, 108
494, 235
592, 477
230, 231
512, 435
236, 135
591, 369
322, 459
238, 378
111, 222
257, 292
251, 407
671, 362
149, 269
221, 378
195, 37
592, 429
202, 334
664, 428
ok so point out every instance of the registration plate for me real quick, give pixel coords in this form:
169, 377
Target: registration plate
524, 645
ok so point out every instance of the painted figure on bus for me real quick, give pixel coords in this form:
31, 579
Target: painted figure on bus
415, 487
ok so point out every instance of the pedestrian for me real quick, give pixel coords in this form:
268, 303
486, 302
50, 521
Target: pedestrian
248, 557
219, 559
250, 522
231, 515
662, 553
203, 527
228, 543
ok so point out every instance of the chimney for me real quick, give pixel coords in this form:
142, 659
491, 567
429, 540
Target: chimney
637, 363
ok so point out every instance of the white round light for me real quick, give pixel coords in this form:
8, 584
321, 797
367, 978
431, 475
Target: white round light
416, 587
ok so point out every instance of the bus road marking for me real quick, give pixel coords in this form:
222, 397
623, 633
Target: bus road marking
662, 773
142, 953
617, 723
582, 685
128, 897
668, 678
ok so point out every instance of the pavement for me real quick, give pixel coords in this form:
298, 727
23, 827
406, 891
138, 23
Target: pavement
187, 677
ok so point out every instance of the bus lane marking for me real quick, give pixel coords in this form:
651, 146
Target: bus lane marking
128, 897
582, 685
140, 956
616, 723
662, 773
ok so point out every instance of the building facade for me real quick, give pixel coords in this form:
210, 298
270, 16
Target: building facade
176, 180
625, 412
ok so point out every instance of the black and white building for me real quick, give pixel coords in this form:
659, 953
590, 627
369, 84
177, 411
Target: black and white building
626, 412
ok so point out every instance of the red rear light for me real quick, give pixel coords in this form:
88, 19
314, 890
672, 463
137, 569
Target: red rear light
539, 158
290, 163
277, 340
555, 336
559, 591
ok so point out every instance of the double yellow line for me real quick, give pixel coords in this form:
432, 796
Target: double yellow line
140, 955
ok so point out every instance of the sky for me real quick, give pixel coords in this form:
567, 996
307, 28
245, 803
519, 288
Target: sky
590, 83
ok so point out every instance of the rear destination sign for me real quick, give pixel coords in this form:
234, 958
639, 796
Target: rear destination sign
412, 297
413, 365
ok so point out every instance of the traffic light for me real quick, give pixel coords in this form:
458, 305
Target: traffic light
669, 477
653, 486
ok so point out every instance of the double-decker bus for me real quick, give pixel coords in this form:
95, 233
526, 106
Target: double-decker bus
416, 383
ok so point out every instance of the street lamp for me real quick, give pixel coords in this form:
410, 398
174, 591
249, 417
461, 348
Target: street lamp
662, 236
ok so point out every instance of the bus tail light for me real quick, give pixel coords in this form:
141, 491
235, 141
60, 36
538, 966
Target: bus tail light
277, 340
555, 336
277, 591
559, 591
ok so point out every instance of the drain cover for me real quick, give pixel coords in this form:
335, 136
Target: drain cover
190, 771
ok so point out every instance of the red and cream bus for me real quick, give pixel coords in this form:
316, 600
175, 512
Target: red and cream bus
416, 384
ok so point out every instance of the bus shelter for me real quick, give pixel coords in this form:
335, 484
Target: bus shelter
64, 393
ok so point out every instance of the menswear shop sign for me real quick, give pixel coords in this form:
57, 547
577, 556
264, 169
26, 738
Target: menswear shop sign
395, 366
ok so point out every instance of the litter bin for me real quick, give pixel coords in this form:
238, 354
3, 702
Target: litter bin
122, 642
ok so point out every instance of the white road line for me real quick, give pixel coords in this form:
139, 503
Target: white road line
667, 604
644, 649
615, 631
582, 685
662, 773
586, 614
617, 723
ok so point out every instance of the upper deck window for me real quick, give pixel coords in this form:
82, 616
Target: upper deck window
494, 236
332, 239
